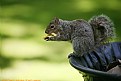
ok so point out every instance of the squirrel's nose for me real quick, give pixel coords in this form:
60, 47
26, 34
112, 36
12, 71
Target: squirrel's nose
46, 31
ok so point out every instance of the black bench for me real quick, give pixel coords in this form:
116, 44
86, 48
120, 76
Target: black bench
93, 66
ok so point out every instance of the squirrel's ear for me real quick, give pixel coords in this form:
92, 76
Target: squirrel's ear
56, 20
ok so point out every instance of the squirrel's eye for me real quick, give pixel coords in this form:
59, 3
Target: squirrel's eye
52, 26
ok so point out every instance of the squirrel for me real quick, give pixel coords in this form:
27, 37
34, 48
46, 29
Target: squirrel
84, 35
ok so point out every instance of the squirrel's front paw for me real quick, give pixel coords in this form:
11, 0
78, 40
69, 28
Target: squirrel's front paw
49, 38
46, 38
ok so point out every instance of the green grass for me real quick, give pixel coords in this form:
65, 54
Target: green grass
44, 71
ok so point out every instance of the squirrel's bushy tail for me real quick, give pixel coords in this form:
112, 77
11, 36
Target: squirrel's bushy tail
103, 28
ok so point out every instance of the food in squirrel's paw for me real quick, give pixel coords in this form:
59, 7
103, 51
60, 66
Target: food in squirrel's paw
49, 36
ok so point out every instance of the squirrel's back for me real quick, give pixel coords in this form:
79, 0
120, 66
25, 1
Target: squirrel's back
103, 28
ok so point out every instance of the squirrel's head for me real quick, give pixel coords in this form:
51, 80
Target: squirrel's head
54, 29
53, 26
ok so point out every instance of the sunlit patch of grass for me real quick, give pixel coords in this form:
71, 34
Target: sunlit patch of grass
85, 5
92, 5
29, 49
13, 29
21, 48
19, 29
42, 71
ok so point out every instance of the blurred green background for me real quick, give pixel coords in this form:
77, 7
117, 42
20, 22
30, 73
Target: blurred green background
24, 55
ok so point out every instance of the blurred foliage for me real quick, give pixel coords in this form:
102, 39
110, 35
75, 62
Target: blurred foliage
22, 25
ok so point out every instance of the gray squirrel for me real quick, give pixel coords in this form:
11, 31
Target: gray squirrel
84, 35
